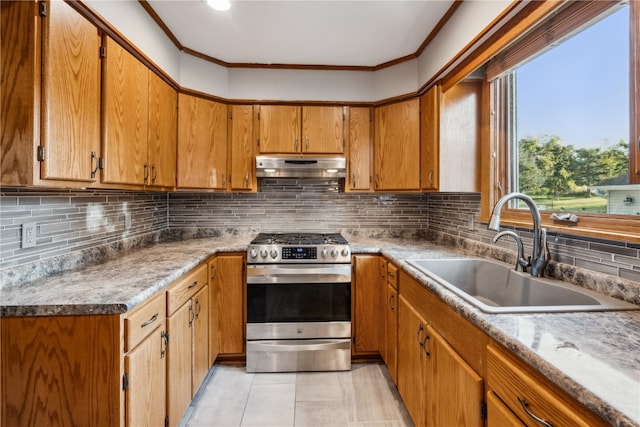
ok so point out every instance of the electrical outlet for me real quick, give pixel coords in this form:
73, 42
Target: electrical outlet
28, 234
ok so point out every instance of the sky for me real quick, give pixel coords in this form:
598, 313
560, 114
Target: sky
557, 89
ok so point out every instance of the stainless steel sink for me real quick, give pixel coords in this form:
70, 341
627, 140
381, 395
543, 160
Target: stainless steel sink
495, 287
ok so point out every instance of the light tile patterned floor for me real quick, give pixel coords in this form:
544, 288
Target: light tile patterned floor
362, 397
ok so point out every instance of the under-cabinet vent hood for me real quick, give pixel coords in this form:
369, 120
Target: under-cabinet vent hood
300, 167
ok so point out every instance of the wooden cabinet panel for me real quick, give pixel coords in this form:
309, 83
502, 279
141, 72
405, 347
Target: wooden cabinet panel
360, 149
368, 296
179, 356
38, 386
214, 327
163, 133
139, 323
200, 365
391, 333
202, 143
278, 129
397, 146
455, 391
126, 117
229, 297
71, 95
185, 287
322, 130
498, 415
430, 139
146, 382
412, 361
241, 143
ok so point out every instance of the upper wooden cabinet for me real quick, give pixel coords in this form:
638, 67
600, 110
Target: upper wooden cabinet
242, 175
430, 139
397, 146
162, 133
286, 129
360, 149
50, 95
202, 143
126, 117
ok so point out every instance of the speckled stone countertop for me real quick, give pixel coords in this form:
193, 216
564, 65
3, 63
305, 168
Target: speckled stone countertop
593, 356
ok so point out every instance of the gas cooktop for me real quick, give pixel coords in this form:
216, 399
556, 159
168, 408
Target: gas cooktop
276, 248
299, 239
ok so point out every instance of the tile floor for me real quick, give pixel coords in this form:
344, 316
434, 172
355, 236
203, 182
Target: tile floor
362, 397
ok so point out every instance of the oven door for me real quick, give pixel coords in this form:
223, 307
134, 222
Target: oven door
299, 293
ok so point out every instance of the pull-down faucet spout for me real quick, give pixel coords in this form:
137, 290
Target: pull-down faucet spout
540, 256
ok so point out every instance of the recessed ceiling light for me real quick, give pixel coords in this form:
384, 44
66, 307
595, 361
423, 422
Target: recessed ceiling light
219, 4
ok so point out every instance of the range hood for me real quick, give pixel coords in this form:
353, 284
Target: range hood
300, 167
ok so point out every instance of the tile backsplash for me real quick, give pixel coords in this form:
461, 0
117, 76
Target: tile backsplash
92, 223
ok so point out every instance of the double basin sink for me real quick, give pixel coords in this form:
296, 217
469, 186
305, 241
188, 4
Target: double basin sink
495, 287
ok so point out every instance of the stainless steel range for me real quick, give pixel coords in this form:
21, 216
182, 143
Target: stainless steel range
298, 303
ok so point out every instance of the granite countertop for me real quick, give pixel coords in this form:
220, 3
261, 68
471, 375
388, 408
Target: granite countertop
594, 356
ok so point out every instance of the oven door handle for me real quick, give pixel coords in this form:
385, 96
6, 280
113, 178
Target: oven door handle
280, 278
289, 345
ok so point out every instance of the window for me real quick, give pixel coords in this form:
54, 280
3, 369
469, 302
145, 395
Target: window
565, 128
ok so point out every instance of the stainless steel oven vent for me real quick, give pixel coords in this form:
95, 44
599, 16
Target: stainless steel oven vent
300, 167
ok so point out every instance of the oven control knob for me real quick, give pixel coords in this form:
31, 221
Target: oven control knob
274, 254
334, 253
263, 253
324, 253
253, 253
345, 252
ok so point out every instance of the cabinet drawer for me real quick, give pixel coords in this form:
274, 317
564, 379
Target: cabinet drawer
185, 287
528, 396
143, 320
392, 275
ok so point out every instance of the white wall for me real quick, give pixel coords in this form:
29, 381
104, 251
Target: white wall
298, 85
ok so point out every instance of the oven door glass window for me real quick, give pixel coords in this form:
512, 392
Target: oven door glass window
305, 302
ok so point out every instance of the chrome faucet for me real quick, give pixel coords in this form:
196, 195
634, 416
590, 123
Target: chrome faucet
541, 255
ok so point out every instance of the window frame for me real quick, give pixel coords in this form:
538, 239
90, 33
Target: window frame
496, 150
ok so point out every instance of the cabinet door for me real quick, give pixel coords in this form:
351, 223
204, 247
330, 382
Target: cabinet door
163, 133
322, 130
202, 143
454, 390
126, 117
200, 303
179, 326
228, 282
242, 172
368, 294
430, 139
146, 372
498, 415
412, 361
278, 129
70, 95
360, 148
397, 146
391, 333
213, 313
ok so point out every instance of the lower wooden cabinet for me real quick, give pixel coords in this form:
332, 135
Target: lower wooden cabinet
390, 345
368, 291
227, 299
498, 415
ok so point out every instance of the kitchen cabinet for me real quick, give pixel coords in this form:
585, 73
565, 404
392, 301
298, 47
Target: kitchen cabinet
397, 146
242, 175
360, 149
498, 415
368, 292
187, 327
390, 354
526, 395
430, 139
125, 117
290, 129
162, 133
227, 295
438, 385
50, 95
202, 143
145, 364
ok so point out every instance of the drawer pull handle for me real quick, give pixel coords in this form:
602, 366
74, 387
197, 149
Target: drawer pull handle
150, 321
193, 285
525, 407
391, 298
391, 275
420, 329
424, 345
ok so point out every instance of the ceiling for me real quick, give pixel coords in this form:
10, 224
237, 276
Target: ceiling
335, 33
